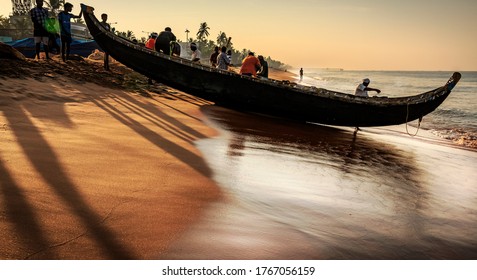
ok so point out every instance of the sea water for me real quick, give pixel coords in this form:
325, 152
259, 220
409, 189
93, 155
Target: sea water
455, 119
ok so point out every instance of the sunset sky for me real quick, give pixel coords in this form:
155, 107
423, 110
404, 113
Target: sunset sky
349, 34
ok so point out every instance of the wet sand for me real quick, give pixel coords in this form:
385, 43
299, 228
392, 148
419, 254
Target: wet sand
297, 191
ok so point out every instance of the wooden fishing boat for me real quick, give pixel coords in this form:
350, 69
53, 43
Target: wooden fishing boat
271, 97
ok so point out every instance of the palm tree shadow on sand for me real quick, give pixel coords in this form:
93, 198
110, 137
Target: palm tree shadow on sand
53, 173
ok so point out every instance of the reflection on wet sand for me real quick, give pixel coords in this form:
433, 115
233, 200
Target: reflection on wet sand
312, 192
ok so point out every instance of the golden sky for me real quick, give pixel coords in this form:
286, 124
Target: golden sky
349, 34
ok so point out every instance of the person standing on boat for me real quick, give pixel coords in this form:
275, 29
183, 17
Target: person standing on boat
213, 57
163, 41
223, 60
39, 17
104, 18
263, 71
65, 26
362, 89
195, 53
250, 65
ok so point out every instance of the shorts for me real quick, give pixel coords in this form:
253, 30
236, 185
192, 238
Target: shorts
42, 39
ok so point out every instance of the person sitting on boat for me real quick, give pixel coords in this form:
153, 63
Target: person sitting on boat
362, 89
195, 53
163, 41
223, 60
151, 41
250, 65
263, 71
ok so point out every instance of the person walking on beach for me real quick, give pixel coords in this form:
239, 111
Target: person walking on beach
195, 53
362, 89
39, 17
301, 74
223, 60
105, 24
163, 41
263, 71
250, 65
65, 27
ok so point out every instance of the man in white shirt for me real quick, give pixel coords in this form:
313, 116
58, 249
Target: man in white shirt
362, 89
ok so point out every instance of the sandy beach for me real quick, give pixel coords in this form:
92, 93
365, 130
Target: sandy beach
91, 168
101, 165
96, 164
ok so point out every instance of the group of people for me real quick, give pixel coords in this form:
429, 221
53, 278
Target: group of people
41, 33
221, 59
251, 65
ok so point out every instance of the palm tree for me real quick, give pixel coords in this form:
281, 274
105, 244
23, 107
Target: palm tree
128, 34
55, 5
222, 39
203, 31
78, 20
4, 22
187, 34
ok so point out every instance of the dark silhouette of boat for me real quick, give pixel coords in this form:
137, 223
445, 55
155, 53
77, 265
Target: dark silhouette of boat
272, 97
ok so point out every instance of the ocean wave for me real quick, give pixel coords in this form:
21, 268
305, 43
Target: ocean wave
458, 136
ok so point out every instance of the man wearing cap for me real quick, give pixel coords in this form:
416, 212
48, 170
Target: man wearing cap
362, 89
